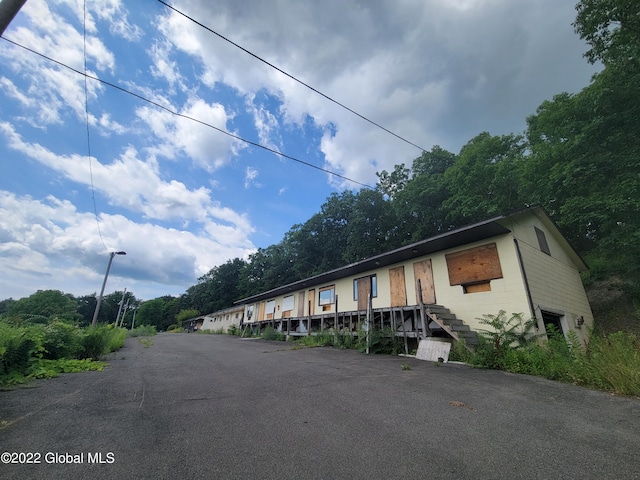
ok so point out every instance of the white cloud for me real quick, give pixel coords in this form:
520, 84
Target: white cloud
207, 147
434, 72
36, 236
134, 184
250, 176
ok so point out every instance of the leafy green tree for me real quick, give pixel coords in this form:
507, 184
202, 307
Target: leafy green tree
612, 29
418, 208
86, 308
485, 178
45, 306
159, 312
392, 183
5, 304
217, 289
435, 162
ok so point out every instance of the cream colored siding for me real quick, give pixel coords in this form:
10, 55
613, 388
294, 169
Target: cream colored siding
554, 280
507, 293
556, 287
223, 319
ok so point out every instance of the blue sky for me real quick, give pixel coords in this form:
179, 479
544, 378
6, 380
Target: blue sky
180, 197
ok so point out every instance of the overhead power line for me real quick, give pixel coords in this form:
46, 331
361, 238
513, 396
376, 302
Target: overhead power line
289, 75
86, 116
193, 119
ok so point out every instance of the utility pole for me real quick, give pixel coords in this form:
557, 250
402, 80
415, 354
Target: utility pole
121, 303
8, 10
124, 314
133, 323
104, 282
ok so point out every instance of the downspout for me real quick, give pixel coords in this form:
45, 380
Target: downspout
524, 278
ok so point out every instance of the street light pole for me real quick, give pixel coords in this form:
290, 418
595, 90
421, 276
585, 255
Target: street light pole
104, 283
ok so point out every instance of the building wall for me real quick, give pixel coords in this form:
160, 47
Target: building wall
554, 279
507, 293
554, 282
223, 319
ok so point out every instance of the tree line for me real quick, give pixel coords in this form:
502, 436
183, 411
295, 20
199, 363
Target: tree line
579, 158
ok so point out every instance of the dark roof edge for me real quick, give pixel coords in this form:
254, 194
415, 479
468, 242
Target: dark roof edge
370, 263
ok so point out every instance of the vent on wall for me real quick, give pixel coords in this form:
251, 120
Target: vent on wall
542, 241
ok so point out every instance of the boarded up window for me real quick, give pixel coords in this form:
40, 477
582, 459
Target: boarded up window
287, 303
474, 265
423, 275
477, 287
542, 241
372, 280
270, 309
398, 288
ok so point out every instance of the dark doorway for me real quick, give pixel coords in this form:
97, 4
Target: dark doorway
552, 322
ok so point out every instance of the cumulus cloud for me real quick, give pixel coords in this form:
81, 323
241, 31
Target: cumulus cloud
435, 72
207, 147
37, 236
250, 176
134, 184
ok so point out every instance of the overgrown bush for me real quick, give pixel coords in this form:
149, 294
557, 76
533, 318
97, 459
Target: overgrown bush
343, 339
102, 339
142, 331
610, 363
44, 351
61, 340
379, 341
271, 333
233, 330
19, 347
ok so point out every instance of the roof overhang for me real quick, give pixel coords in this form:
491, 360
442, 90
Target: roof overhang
454, 238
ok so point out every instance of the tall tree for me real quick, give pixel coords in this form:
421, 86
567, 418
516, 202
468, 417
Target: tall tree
45, 306
612, 29
485, 179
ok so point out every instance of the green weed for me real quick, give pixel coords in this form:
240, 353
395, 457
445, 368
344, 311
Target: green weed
142, 331
272, 334
608, 362
147, 342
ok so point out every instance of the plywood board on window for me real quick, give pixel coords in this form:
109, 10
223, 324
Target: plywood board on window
423, 273
477, 287
364, 291
398, 287
311, 300
301, 304
474, 265
287, 303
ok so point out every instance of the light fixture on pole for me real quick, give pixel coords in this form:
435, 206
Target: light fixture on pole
95, 314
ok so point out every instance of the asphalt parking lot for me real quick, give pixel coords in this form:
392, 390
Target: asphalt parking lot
221, 407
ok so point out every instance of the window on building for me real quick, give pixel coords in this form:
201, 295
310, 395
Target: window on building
374, 286
270, 309
287, 303
327, 295
477, 287
542, 241
474, 265
552, 323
